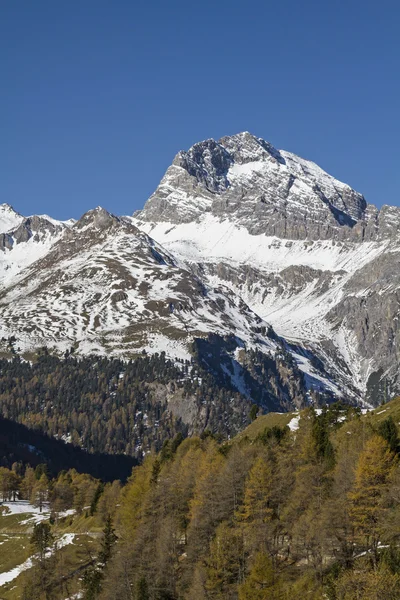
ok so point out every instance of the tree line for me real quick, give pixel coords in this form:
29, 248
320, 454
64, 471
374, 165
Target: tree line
68, 491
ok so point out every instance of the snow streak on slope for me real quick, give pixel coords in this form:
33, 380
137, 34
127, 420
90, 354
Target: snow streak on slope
64, 540
106, 286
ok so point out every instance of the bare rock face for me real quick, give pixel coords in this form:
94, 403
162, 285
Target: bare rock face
23, 229
6, 241
268, 191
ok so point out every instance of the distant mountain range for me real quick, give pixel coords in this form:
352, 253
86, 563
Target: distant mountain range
247, 247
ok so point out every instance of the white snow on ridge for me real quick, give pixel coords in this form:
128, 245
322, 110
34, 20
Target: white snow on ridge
9, 218
56, 222
214, 240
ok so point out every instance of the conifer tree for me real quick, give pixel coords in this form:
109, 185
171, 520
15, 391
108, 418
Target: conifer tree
261, 582
107, 542
42, 540
28, 483
257, 496
225, 562
388, 430
40, 492
96, 498
374, 468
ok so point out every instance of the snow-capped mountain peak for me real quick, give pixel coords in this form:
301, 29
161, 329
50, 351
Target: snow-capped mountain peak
246, 180
299, 246
9, 218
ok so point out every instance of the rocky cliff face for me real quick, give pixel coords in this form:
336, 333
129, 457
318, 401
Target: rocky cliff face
267, 191
305, 251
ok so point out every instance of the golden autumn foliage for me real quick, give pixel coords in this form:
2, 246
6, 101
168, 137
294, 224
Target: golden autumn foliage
376, 465
273, 518
312, 514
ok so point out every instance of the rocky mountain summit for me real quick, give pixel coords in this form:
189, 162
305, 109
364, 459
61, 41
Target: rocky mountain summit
268, 191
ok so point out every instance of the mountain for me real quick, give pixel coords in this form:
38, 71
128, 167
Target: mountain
303, 250
243, 249
23, 240
102, 286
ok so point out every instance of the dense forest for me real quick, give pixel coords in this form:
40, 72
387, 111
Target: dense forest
106, 405
307, 514
311, 513
98, 404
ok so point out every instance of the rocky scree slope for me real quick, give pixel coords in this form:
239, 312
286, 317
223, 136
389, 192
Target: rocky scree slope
305, 251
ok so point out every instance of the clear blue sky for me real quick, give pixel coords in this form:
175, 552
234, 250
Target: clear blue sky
96, 97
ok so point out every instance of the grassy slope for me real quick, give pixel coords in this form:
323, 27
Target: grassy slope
376, 416
15, 549
391, 409
264, 422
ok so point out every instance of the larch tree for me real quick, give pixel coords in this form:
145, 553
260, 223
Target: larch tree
375, 466
225, 565
261, 582
40, 492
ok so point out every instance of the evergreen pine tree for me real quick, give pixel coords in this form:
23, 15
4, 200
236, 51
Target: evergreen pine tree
108, 541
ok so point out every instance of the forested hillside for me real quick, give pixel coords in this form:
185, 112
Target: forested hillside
98, 404
309, 510
310, 513
106, 405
